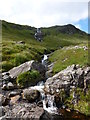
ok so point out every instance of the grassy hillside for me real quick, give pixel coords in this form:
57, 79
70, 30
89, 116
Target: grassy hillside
68, 56
14, 53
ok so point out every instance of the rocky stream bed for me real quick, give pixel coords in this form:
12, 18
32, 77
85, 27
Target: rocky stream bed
44, 100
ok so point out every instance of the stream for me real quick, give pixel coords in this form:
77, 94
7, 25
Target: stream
51, 110
48, 100
49, 106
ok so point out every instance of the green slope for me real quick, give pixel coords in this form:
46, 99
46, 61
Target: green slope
14, 54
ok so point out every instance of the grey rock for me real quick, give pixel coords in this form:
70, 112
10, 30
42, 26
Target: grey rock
14, 72
39, 67
25, 111
10, 86
4, 87
71, 76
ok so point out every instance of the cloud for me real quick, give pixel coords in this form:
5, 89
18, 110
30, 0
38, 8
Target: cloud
78, 26
43, 12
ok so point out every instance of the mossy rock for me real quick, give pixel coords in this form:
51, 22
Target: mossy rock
31, 95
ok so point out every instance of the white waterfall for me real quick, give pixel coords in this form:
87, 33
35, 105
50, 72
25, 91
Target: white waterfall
44, 60
48, 100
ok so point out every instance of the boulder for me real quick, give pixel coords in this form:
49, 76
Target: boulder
58, 81
14, 72
39, 67
4, 87
72, 76
31, 95
3, 100
15, 99
10, 86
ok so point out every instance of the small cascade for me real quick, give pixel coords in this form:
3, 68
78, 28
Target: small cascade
49, 104
48, 100
44, 60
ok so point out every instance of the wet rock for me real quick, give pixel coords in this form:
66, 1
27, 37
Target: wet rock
4, 87
58, 101
13, 93
10, 86
40, 104
31, 95
47, 116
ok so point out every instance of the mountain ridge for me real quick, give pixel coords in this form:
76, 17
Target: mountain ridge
68, 29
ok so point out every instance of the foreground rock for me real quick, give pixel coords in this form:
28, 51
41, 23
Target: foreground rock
14, 72
24, 111
71, 77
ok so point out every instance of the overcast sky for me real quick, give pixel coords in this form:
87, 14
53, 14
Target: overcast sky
44, 13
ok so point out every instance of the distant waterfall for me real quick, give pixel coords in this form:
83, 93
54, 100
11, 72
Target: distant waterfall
44, 60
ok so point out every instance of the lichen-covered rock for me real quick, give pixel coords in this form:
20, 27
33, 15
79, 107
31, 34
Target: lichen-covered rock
72, 76
24, 111
31, 95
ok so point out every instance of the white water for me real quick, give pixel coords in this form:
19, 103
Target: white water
44, 59
48, 100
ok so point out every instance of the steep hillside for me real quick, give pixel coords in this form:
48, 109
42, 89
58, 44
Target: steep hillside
19, 44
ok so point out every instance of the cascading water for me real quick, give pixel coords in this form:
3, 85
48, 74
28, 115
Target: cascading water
48, 100
44, 60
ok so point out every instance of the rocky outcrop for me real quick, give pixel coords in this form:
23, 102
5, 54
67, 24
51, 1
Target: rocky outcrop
24, 111
72, 76
14, 72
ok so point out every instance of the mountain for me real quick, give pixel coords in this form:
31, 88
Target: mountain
19, 44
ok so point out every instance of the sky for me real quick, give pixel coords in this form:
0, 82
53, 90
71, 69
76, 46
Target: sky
45, 13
